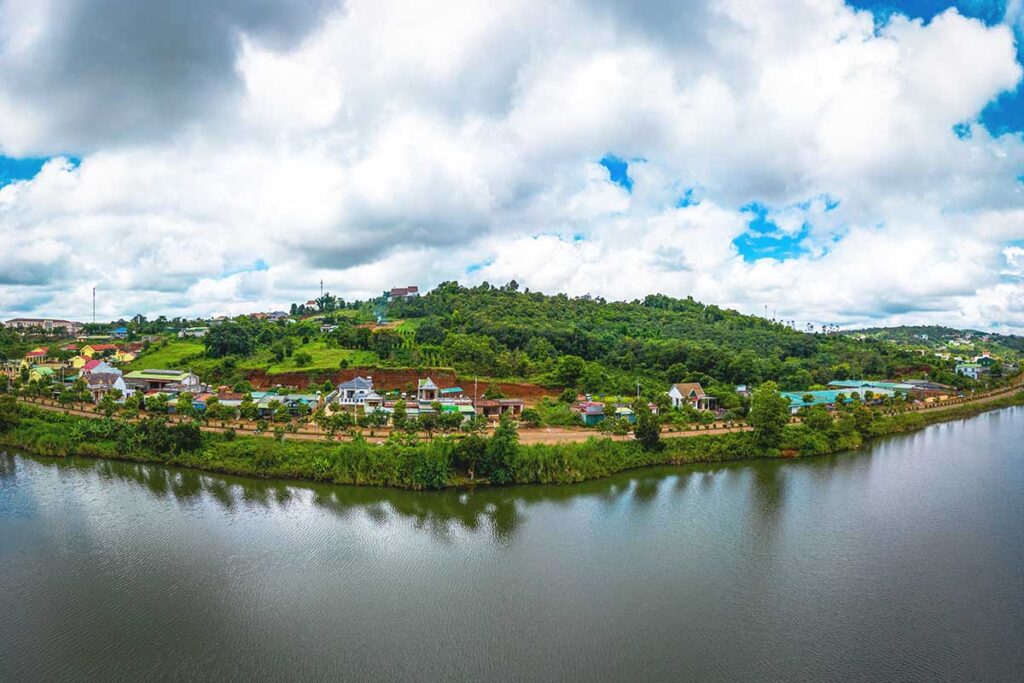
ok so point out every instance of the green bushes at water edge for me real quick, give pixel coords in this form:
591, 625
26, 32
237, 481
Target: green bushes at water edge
407, 462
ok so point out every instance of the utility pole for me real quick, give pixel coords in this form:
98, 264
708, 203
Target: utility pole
321, 288
93, 305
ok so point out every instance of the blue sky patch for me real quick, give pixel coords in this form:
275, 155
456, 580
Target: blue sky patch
962, 130
991, 12
19, 169
687, 199
12, 169
764, 239
478, 266
1004, 114
618, 171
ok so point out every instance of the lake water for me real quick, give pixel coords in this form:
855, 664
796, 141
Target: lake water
904, 561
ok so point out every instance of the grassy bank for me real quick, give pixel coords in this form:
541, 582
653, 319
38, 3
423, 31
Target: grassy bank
407, 462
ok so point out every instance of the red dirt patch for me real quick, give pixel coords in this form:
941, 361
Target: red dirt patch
386, 380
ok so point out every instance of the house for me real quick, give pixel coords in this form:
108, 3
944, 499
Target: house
274, 316
690, 393
985, 360
496, 408
40, 374
827, 398
37, 355
404, 292
924, 389
862, 386
119, 333
92, 350
290, 401
193, 332
972, 370
590, 413
149, 380
98, 367
352, 393
124, 356
426, 391
100, 383
78, 362
45, 324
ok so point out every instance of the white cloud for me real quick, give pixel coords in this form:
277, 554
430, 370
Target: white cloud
391, 142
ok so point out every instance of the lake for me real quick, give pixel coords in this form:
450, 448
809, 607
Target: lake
904, 561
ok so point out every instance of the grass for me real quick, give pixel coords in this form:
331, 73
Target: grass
323, 358
187, 354
174, 356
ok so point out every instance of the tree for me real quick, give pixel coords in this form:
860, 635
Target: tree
228, 338
469, 451
247, 409
647, 430
303, 359
108, 405
769, 414
9, 416
493, 392
184, 405
531, 417
399, 416
156, 403
500, 454
818, 419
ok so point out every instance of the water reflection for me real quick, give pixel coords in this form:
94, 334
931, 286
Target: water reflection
7, 466
498, 511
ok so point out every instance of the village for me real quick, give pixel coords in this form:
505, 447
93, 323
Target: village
89, 369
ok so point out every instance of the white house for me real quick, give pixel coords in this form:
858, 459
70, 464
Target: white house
690, 393
193, 332
354, 392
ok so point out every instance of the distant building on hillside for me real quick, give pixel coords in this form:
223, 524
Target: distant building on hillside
403, 292
45, 324
193, 332
972, 370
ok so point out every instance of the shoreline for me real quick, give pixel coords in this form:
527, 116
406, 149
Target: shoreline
414, 464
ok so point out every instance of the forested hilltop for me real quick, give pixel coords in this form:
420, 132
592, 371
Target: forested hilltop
597, 345
938, 336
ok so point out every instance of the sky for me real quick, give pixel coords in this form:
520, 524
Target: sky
855, 163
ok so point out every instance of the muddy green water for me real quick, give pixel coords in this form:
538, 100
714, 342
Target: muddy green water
904, 561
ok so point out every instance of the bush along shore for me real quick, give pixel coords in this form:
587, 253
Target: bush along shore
407, 461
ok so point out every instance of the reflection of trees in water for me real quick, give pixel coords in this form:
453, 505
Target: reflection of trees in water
7, 465
498, 511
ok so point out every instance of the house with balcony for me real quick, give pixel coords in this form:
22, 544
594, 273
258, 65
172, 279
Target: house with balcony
352, 393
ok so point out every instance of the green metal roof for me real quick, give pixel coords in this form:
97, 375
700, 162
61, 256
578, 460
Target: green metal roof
166, 375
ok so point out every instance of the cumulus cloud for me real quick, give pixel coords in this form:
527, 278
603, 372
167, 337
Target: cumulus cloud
233, 154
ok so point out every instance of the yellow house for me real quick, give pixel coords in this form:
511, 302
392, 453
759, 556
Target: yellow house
124, 356
92, 350
39, 373
78, 361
